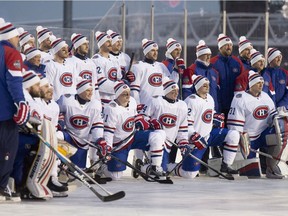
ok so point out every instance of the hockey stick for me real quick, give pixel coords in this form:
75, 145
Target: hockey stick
131, 61
79, 172
267, 155
228, 177
144, 175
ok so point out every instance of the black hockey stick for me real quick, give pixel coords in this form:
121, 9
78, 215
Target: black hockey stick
131, 61
228, 177
78, 172
144, 175
267, 155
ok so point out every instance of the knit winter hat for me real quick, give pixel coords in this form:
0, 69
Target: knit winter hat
254, 78
78, 39
120, 88
30, 78
223, 40
83, 85
202, 48
101, 37
57, 44
24, 36
7, 30
255, 56
43, 80
172, 44
169, 85
272, 54
114, 36
30, 52
148, 45
42, 34
243, 44
198, 81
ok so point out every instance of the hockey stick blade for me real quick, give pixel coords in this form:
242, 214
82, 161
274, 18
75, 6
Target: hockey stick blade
79, 173
145, 176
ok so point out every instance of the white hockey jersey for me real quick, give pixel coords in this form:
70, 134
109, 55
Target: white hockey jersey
148, 82
173, 117
200, 114
123, 60
50, 110
87, 70
36, 110
82, 119
250, 114
108, 73
62, 77
119, 124
46, 57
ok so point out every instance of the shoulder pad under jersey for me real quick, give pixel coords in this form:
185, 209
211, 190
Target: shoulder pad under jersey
192, 97
112, 104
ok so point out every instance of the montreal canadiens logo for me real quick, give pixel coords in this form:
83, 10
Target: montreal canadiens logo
35, 114
261, 112
79, 121
155, 80
207, 116
86, 75
112, 74
128, 125
168, 120
66, 79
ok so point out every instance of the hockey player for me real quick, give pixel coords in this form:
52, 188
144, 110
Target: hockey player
51, 112
203, 67
122, 58
252, 112
108, 69
170, 114
25, 38
83, 117
229, 68
279, 77
120, 134
11, 93
85, 67
173, 62
201, 134
44, 41
61, 73
244, 48
257, 65
33, 60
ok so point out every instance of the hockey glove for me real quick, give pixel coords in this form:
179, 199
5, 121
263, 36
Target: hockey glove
180, 65
155, 124
22, 114
218, 120
140, 107
184, 147
61, 122
104, 148
130, 76
141, 123
199, 141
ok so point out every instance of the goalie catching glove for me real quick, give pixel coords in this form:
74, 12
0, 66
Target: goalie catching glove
199, 141
104, 149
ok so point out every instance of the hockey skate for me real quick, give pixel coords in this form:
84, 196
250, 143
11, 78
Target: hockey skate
57, 189
98, 174
225, 168
8, 195
157, 172
135, 161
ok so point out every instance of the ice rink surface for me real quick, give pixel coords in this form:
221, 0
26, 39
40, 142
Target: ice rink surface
197, 197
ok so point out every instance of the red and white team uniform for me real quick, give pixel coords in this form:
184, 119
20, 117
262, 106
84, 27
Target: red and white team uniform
172, 116
200, 112
83, 120
36, 110
123, 60
62, 77
50, 109
46, 57
108, 73
250, 114
87, 70
120, 124
148, 81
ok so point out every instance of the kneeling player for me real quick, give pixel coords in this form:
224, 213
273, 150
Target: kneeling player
201, 135
119, 132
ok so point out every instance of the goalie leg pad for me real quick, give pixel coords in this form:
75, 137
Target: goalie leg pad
248, 167
216, 164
